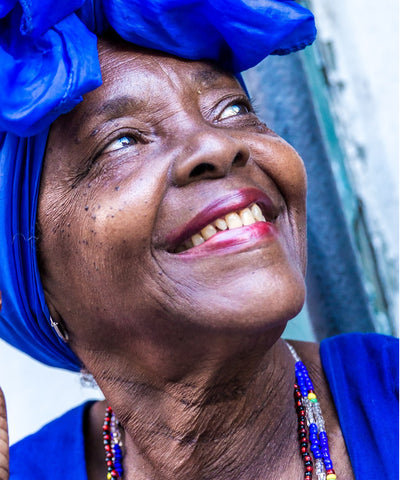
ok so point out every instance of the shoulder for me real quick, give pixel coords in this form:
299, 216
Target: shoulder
362, 371
45, 453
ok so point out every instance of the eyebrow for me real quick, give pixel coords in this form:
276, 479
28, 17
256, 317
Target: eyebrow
210, 76
118, 107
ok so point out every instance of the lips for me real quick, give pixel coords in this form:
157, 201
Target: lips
241, 215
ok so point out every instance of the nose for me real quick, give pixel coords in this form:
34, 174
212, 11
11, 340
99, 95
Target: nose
207, 155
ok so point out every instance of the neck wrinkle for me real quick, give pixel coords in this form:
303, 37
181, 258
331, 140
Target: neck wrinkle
213, 430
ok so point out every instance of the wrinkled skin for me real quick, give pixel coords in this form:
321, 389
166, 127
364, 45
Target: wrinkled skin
185, 347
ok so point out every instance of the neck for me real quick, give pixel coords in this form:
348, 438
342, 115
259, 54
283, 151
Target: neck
230, 419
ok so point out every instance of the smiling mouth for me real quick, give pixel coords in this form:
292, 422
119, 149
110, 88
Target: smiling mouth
235, 219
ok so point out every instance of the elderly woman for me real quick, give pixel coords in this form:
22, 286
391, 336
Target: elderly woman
154, 236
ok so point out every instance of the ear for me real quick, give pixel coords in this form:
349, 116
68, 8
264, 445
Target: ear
56, 321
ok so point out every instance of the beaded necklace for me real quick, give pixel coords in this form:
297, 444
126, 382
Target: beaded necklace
308, 415
112, 445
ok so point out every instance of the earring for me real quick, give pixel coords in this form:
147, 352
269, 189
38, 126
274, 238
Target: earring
60, 330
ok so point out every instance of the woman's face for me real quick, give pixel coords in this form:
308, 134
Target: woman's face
164, 149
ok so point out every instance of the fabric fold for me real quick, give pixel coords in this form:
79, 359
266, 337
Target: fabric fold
49, 59
43, 78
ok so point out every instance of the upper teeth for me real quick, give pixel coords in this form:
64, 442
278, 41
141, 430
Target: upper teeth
247, 216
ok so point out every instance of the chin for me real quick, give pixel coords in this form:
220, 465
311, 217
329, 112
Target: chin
255, 302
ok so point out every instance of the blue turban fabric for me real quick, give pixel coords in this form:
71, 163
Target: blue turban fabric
49, 60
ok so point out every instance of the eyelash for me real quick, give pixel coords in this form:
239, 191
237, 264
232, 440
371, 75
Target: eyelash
122, 137
131, 135
240, 103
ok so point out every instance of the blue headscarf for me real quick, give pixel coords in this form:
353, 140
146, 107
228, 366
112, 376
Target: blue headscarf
48, 60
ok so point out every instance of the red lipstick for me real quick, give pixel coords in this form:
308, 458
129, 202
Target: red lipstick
232, 202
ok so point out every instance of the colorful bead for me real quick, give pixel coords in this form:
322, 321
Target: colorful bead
112, 446
311, 415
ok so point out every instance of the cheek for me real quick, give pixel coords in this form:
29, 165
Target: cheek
284, 166
96, 245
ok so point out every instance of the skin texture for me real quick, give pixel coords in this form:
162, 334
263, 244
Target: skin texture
186, 348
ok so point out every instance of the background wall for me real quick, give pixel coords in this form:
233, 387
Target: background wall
349, 94
357, 55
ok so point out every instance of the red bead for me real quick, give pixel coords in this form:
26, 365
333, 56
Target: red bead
307, 458
109, 410
106, 428
109, 455
114, 474
301, 413
109, 463
309, 468
107, 448
106, 437
303, 449
330, 470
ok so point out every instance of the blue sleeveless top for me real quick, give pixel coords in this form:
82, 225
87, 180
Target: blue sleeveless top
363, 375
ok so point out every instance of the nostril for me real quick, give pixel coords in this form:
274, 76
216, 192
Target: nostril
239, 160
202, 168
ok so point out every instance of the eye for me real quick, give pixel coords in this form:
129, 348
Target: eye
121, 142
234, 109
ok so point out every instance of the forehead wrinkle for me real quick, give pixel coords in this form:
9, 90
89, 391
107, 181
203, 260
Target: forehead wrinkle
163, 63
